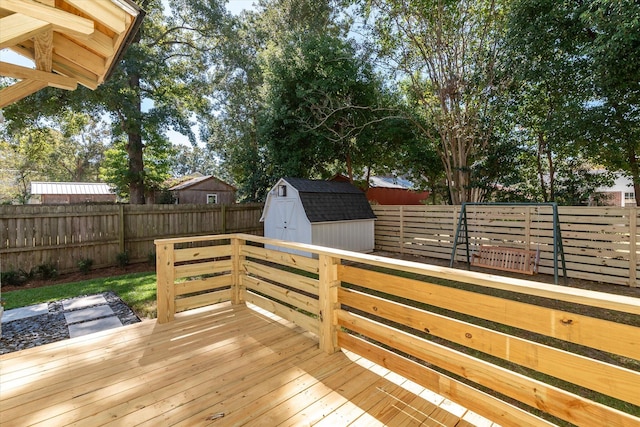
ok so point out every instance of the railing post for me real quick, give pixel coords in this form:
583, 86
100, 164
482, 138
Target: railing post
166, 294
328, 299
237, 261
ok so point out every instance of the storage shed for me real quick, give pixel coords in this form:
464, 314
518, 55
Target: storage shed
324, 213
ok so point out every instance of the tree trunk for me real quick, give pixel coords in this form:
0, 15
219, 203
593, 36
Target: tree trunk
135, 148
543, 184
634, 168
552, 176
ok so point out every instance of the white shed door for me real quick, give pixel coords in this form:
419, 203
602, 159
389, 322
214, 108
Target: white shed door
286, 221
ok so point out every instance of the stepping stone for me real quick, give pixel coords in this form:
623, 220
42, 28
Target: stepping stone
24, 312
75, 303
90, 313
92, 326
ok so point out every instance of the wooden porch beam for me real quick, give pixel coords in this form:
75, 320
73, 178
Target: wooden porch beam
62, 21
105, 12
61, 65
75, 53
17, 91
50, 79
43, 46
18, 27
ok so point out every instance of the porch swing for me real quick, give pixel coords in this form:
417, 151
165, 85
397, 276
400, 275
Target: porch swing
516, 260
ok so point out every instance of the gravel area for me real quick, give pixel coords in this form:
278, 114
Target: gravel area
51, 327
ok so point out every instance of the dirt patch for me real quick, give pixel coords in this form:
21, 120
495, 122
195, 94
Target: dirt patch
79, 276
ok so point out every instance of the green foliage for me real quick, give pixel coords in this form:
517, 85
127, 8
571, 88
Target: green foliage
45, 271
447, 53
85, 264
115, 167
14, 277
68, 149
122, 259
575, 92
160, 85
299, 99
319, 97
478, 100
190, 159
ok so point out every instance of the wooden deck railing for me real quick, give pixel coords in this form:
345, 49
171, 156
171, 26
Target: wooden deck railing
517, 352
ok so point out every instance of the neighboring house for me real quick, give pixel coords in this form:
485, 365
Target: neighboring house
620, 194
324, 213
69, 193
204, 190
389, 190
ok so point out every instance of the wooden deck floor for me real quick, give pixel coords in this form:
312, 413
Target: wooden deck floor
222, 365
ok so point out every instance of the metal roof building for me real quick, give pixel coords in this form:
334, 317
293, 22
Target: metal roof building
71, 193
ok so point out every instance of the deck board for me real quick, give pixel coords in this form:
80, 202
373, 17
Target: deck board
220, 365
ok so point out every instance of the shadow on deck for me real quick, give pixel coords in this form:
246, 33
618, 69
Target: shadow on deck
220, 365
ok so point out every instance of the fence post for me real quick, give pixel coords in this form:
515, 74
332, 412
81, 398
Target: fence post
165, 274
121, 231
633, 247
401, 230
223, 212
527, 228
328, 299
237, 261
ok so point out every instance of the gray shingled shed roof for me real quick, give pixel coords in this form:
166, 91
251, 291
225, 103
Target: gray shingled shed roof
325, 201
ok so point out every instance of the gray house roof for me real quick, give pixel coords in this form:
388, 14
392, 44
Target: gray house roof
197, 180
331, 201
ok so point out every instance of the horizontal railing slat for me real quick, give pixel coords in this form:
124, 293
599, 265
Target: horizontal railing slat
605, 378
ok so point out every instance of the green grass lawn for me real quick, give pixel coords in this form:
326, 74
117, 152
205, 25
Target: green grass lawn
137, 290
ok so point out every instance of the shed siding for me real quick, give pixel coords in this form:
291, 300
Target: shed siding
287, 221
348, 235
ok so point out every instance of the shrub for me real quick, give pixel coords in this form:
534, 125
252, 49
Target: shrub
14, 277
122, 259
47, 270
85, 264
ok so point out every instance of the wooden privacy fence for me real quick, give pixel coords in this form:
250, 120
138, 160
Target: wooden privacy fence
33, 235
465, 335
600, 243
